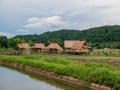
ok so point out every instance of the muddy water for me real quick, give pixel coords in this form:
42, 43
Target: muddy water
11, 79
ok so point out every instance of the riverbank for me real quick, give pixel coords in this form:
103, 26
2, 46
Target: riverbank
22, 80
53, 76
63, 71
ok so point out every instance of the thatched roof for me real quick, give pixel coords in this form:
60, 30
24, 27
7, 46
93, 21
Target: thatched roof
74, 44
39, 45
54, 46
68, 43
78, 45
23, 46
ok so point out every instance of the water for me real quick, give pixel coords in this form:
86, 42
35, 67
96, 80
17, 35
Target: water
11, 79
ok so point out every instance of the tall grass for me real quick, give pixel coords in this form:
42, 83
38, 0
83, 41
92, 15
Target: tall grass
98, 73
108, 52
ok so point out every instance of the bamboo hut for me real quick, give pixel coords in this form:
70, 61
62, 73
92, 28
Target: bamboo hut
54, 48
23, 48
76, 46
38, 47
68, 44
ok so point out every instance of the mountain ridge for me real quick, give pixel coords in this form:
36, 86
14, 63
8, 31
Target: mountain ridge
94, 36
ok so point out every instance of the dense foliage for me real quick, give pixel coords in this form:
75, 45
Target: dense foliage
98, 37
13, 42
90, 72
3, 42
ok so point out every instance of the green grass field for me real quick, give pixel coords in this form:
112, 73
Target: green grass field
64, 64
108, 60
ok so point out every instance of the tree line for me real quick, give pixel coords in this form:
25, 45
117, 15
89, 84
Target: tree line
98, 37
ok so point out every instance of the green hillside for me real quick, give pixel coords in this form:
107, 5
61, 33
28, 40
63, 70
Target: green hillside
98, 37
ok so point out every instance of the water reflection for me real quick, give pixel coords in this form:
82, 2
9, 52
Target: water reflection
11, 79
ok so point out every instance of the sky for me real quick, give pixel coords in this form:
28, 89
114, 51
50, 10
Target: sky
20, 17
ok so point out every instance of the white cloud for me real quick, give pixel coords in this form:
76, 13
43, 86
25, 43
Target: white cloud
80, 14
6, 34
46, 22
59, 11
22, 30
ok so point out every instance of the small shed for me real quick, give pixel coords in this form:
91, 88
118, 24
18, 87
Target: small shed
54, 48
76, 46
38, 47
23, 48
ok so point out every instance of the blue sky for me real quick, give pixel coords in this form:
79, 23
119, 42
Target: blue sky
38, 16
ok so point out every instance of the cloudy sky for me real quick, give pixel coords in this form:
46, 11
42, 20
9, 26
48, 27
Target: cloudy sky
38, 16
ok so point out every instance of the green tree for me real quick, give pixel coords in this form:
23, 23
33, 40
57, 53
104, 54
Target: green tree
3, 42
30, 43
14, 41
99, 37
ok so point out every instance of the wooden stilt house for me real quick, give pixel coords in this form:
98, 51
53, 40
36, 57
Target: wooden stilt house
76, 46
23, 48
54, 48
38, 47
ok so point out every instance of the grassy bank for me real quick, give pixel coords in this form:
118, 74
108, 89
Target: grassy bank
97, 73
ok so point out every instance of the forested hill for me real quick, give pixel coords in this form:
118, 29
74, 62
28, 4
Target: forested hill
105, 36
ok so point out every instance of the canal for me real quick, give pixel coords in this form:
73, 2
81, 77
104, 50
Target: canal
11, 79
